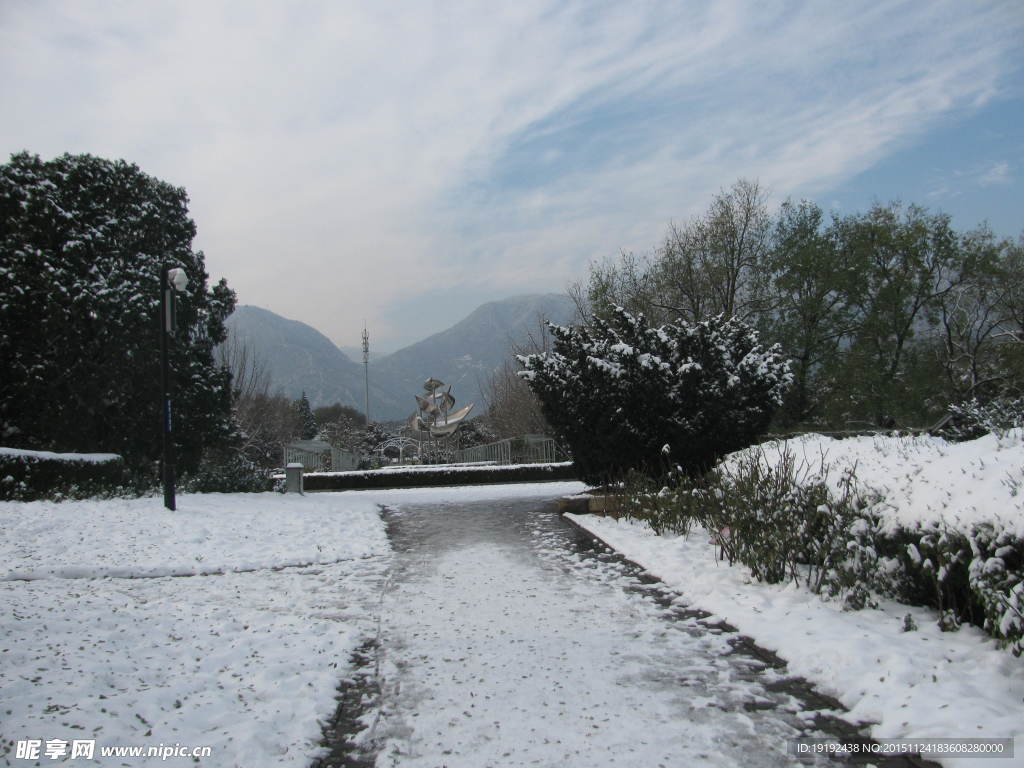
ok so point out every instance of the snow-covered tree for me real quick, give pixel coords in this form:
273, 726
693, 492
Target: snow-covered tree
82, 241
618, 392
306, 420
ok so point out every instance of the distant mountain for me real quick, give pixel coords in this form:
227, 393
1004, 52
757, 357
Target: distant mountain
301, 359
468, 353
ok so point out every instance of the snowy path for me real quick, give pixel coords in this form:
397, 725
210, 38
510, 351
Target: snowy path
504, 643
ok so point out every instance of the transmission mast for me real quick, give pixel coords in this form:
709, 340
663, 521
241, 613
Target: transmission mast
366, 370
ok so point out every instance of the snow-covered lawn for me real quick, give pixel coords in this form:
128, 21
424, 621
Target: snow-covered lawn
917, 684
209, 533
105, 638
228, 623
925, 478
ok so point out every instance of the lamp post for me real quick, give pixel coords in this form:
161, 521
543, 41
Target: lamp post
172, 280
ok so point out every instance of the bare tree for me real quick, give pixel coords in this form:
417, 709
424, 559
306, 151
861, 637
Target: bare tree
577, 291
265, 421
716, 263
628, 282
512, 407
249, 373
268, 422
980, 320
1012, 303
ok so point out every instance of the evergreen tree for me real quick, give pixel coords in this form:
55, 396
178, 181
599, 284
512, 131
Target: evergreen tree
82, 242
307, 422
617, 392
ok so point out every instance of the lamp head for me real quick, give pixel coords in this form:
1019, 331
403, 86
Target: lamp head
177, 278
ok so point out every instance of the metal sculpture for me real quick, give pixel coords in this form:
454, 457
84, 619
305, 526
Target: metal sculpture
435, 416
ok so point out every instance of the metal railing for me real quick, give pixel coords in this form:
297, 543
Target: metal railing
321, 460
311, 461
528, 449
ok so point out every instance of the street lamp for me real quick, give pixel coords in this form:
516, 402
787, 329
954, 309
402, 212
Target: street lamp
173, 280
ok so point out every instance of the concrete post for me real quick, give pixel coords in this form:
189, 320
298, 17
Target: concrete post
293, 477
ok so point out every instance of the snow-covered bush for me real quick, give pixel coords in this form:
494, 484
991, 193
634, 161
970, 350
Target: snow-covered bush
974, 419
995, 574
226, 471
29, 475
974, 577
781, 520
666, 510
787, 520
617, 391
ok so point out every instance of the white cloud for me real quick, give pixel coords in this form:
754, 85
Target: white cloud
343, 157
997, 174
954, 184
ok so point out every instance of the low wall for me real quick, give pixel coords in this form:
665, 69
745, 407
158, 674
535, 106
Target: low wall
432, 476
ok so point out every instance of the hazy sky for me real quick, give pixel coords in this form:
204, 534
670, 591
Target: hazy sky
404, 162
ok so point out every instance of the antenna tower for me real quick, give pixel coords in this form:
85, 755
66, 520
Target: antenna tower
366, 371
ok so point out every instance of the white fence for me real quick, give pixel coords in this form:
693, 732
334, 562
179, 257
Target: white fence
315, 456
528, 449
342, 461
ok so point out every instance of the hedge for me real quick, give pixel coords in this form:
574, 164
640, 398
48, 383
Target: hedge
28, 475
786, 527
440, 475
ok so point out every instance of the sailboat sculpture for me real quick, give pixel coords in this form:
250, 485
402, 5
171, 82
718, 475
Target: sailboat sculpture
435, 410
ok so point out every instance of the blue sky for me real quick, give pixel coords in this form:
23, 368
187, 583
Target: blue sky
403, 162
969, 165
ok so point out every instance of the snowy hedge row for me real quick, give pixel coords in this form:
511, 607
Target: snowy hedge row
439, 475
28, 475
837, 537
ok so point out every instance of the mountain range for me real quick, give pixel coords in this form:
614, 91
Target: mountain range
300, 359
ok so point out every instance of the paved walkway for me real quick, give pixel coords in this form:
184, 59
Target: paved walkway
509, 639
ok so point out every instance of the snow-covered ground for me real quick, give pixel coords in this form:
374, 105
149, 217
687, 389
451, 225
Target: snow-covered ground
109, 640
228, 623
918, 684
924, 478
208, 534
